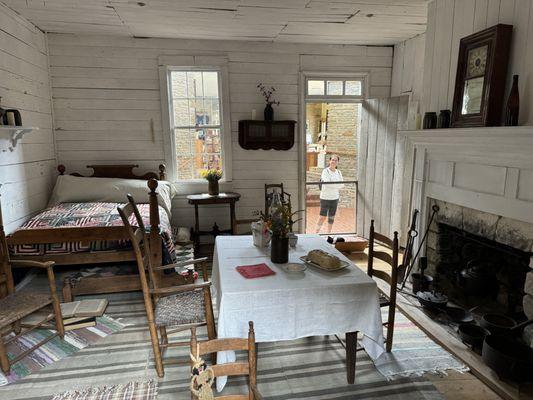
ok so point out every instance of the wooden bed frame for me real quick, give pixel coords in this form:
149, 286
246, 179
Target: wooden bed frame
89, 234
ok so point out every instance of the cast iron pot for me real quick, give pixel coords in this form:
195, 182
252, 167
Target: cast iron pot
497, 324
459, 315
509, 357
421, 282
473, 335
477, 280
432, 300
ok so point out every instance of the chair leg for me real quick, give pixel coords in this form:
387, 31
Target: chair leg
157, 350
390, 330
351, 353
4, 361
67, 291
210, 319
164, 339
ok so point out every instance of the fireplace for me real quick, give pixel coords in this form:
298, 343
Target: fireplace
479, 259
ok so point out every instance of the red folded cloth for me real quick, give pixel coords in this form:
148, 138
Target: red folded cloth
254, 271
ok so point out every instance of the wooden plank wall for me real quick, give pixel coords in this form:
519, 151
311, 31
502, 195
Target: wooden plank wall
106, 90
448, 22
26, 174
408, 68
379, 164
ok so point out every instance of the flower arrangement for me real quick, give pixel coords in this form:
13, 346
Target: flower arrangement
211, 174
267, 93
280, 222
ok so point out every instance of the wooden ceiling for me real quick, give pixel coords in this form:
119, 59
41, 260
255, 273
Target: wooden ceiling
378, 22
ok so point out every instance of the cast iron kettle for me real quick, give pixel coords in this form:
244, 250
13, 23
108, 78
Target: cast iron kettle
477, 279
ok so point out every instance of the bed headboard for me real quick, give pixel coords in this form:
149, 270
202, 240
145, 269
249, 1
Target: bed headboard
124, 171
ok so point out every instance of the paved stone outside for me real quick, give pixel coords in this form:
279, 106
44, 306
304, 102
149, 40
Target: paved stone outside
344, 220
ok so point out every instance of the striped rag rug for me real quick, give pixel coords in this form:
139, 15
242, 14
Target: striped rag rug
310, 368
414, 353
56, 349
129, 391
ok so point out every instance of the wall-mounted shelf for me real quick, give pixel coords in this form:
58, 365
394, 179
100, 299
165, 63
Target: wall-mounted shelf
266, 135
15, 133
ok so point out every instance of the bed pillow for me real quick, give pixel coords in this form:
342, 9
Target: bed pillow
74, 189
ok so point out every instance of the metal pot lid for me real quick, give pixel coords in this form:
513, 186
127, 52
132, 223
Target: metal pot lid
434, 297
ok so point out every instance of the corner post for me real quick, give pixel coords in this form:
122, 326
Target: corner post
155, 237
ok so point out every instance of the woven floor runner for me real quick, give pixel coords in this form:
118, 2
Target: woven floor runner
128, 391
56, 349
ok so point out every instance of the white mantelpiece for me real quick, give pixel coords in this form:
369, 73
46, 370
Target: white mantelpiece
487, 169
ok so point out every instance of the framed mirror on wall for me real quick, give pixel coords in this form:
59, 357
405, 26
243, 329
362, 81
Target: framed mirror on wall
481, 77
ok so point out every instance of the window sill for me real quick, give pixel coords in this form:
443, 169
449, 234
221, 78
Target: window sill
196, 187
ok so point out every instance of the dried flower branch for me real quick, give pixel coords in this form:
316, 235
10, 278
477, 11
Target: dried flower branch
267, 93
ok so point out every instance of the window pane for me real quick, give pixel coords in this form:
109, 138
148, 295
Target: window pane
334, 88
211, 84
183, 141
182, 116
207, 151
315, 88
352, 88
196, 103
178, 83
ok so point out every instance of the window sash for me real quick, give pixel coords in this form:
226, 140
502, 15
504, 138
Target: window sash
174, 128
325, 80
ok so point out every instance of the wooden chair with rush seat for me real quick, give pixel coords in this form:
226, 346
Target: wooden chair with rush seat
177, 307
249, 368
385, 300
17, 305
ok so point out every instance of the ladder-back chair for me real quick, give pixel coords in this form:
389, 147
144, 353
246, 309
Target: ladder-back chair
269, 195
17, 305
178, 307
232, 369
385, 300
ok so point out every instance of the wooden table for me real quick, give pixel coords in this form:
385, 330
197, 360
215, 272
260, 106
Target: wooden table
289, 306
205, 199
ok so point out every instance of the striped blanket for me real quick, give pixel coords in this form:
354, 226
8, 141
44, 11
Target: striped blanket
88, 215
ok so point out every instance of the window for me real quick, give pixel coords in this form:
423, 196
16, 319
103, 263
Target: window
196, 121
335, 88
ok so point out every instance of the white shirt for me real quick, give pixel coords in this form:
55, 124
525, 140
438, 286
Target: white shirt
331, 192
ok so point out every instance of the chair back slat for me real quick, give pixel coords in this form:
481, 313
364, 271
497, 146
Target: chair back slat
231, 369
383, 257
382, 275
383, 239
217, 345
234, 397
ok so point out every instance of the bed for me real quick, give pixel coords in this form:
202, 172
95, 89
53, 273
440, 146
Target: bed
81, 224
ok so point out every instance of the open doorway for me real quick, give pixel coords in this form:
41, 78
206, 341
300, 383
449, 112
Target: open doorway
331, 166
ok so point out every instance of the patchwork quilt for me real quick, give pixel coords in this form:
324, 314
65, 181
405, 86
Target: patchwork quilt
90, 215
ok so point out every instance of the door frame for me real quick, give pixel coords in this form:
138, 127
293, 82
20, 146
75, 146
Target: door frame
364, 76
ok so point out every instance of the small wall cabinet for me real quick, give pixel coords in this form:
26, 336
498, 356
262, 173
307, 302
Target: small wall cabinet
266, 135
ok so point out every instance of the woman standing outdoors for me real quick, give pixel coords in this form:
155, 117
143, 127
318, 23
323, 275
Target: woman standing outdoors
329, 193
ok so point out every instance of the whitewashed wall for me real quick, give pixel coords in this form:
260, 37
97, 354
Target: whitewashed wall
408, 68
449, 21
26, 173
106, 90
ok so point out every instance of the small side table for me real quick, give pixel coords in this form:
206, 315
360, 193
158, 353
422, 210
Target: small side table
204, 199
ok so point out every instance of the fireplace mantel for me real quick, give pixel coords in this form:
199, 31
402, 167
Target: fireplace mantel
487, 169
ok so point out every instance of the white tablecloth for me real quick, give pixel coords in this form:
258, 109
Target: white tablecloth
289, 306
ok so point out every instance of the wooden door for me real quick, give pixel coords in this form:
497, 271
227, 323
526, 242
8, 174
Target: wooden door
380, 165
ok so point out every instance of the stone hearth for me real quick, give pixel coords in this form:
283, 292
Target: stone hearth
458, 231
